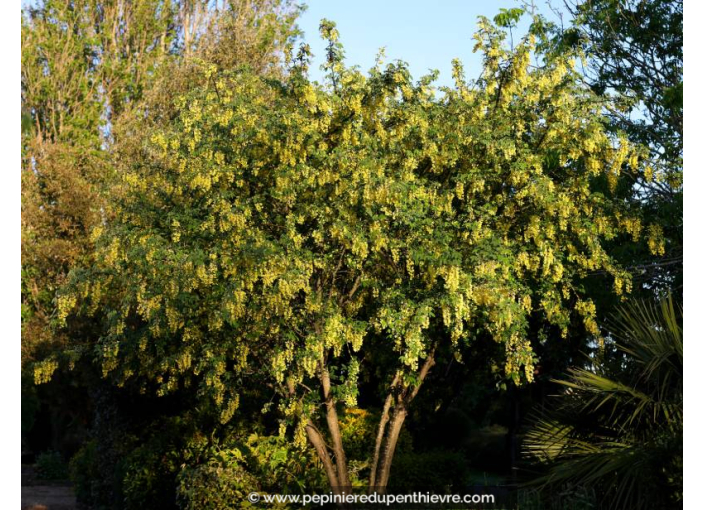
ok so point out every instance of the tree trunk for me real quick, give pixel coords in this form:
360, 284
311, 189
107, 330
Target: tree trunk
390, 448
389, 431
385, 413
379, 478
321, 449
334, 429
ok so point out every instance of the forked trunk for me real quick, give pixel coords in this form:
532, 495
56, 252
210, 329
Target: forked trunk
389, 431
385, 465
383, 420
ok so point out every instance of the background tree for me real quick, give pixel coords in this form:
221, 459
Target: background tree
274, 230
86, 66
83, 65
634, 51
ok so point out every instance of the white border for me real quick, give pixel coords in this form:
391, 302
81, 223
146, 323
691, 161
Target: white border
10, 257
693, 273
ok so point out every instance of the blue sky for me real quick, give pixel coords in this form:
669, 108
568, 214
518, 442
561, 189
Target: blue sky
427, 35
424, 33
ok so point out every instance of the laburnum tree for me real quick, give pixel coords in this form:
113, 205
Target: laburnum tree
279, 230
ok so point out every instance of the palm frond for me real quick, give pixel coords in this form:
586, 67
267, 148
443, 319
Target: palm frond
611, 430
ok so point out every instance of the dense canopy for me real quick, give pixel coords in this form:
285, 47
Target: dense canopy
276, 226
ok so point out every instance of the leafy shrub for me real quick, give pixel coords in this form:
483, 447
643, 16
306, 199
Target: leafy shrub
282, 466
358, 429
51, 466
134, 455
154, 460
221, 483
260, 463
83, 471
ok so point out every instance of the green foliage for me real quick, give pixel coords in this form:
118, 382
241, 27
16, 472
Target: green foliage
227, 473
358, 428
50, 465
275, 226
280, 465
151, 460
86, 65
251, 248
167, 462
508, 17
136, 450
634, 51
83, 471
80, 75
151, 467
621, 432
217, 485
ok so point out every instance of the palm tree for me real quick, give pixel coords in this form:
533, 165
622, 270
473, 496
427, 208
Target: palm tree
619, 429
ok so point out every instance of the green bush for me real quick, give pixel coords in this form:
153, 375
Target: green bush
227, 473
154, 460
127, 468
51, 466
83, 471
221, 483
